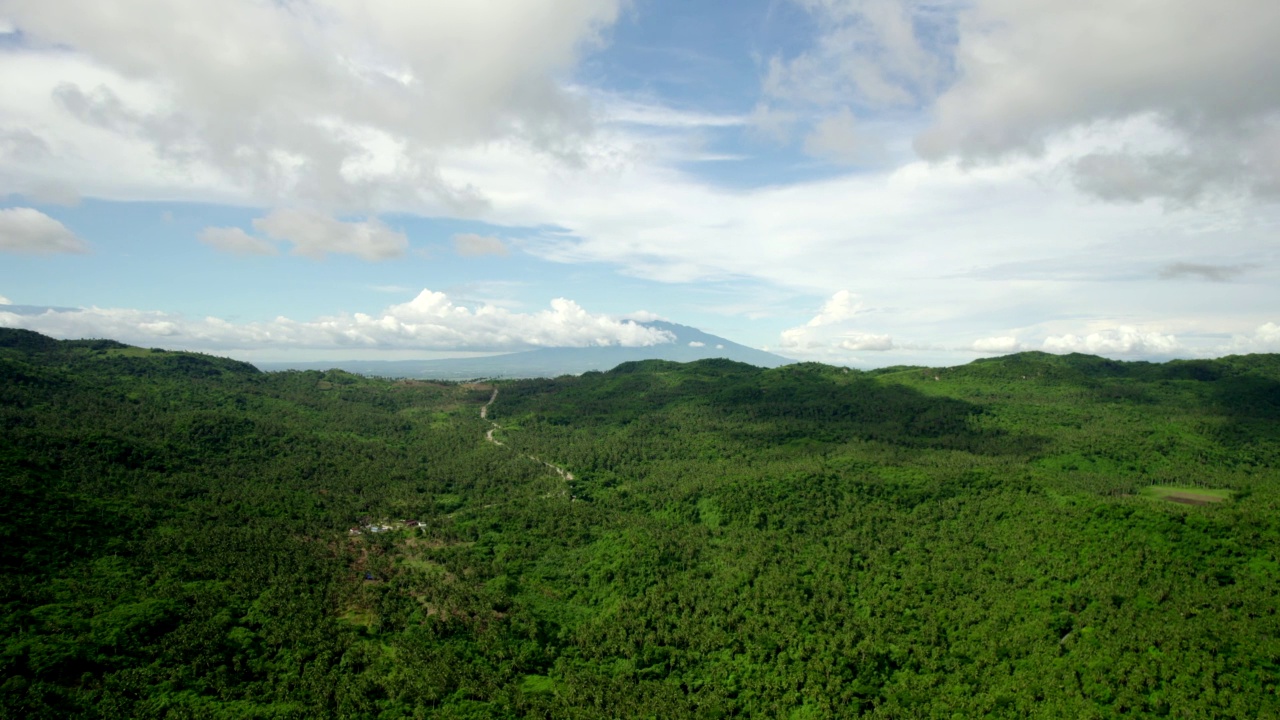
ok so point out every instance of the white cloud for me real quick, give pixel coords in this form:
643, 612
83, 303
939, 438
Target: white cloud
831, 332
842, 306
1124, 340
836, 138
864, 342
1265, 339
616, 109
302, 101
643, 316
696, 344
1269, 334
869, 51
431, 321
472, 245
4, 300
236, 241
315, 235
1000, 345
770, 121
27, 230
916, 237
997, 78
1029, 70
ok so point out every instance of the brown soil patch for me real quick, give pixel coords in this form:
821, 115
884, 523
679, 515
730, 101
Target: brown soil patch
1192, 499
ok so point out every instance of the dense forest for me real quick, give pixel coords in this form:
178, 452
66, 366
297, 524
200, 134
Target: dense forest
1027, 536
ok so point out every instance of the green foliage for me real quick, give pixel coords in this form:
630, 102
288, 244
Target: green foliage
806, 541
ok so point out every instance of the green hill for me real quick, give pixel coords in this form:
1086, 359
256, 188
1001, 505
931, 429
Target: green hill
1028, 536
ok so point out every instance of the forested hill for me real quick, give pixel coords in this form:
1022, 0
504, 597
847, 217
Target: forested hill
1029, 536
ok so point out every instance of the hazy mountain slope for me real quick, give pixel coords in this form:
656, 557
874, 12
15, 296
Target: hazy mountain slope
691, 344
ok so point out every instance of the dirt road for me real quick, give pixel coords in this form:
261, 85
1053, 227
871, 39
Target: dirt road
484, 414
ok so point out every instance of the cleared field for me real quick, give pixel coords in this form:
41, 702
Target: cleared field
1188, 496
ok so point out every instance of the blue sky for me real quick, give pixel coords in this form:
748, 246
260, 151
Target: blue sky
865, 183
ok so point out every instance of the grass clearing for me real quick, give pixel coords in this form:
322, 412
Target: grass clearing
1188, 495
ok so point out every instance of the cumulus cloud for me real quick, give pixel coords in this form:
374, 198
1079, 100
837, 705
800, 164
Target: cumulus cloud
27, 230
696, 344
472, 245
1265, 339
431, 321
842, 306
865, 341
315, 235
236, 241
831, 332
1001, 78
1212, 273
999, 345
1123, 340
1269, 334
4, 300
332, 101
1028, 70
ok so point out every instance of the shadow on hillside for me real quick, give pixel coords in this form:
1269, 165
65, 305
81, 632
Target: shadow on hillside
827, 410
763, 408
1250, 405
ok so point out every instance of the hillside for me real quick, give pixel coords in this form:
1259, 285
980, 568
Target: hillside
690, 344
1029, 536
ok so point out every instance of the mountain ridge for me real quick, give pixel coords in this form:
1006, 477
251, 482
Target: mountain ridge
690, 344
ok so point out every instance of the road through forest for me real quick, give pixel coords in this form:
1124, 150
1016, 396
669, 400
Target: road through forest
484, 415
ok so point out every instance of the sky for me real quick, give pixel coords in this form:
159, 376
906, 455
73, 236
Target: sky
867, 183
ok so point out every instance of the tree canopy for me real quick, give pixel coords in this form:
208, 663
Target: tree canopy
1027, 536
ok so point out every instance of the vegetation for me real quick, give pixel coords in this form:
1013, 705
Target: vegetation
189, 537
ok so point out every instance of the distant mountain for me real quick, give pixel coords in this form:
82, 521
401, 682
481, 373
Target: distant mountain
690, 344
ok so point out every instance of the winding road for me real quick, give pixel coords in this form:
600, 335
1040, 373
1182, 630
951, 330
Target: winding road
484, 415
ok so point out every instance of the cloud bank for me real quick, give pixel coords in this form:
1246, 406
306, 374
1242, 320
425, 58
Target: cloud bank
431, 321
